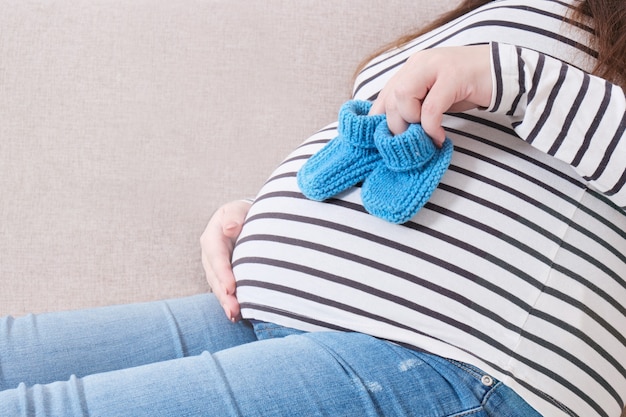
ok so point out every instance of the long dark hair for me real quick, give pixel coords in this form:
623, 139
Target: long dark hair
609, 21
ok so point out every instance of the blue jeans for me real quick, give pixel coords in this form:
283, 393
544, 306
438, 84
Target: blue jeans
184, 358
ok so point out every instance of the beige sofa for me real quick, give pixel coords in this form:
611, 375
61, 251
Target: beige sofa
125, 124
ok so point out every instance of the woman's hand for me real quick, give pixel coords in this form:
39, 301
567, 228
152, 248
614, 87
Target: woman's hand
433, 82
217, 242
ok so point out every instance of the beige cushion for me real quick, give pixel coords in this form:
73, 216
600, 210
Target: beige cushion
124, 124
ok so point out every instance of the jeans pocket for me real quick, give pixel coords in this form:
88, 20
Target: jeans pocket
474, 372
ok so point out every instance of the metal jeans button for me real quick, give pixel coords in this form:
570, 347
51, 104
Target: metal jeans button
486, 380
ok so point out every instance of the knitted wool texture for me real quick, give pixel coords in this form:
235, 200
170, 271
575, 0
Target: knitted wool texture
347, 159
399, 173
408, 174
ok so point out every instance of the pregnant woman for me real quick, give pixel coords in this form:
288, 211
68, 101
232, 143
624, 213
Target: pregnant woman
455, 245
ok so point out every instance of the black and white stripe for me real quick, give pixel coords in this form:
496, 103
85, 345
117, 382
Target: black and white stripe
516, 264
568, 114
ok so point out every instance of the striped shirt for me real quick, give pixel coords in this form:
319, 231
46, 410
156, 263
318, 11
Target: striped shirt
517, 264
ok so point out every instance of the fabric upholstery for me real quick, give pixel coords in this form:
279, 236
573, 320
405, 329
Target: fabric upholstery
124, 125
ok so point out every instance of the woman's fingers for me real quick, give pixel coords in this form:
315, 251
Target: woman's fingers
218, 242
434, 82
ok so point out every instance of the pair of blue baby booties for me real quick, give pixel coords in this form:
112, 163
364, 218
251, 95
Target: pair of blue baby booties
399, 172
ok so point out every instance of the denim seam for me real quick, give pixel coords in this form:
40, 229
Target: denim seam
469, 412
490, 392
227, 384
474, 372
481, 407
348, 369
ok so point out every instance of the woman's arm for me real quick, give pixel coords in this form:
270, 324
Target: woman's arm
565, 112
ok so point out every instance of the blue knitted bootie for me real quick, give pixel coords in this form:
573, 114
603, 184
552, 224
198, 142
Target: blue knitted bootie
411, 170
345, 160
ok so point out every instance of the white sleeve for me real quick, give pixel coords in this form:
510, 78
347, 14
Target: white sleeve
565, 112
